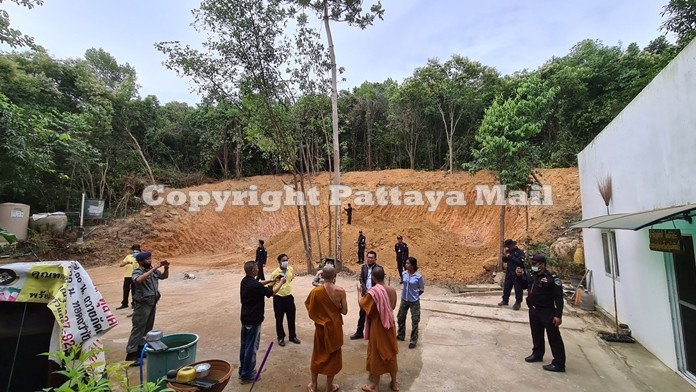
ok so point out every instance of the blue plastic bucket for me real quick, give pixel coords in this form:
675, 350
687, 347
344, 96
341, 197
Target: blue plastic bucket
181, 351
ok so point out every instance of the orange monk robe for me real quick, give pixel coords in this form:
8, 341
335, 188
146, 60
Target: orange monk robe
381, 346
328, 332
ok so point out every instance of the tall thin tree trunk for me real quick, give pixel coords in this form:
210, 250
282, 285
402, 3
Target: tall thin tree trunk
142, 156
310, 164
238, 153
334, 117
301, 223
501, 237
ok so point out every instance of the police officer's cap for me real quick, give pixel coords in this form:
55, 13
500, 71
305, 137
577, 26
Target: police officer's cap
508, 243
539, 259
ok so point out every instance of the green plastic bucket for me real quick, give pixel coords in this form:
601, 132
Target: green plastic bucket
181, 351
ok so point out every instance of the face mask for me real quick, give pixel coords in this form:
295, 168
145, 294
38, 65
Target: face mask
535, 268
284, 264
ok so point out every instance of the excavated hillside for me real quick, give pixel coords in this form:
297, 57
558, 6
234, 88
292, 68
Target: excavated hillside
453, 243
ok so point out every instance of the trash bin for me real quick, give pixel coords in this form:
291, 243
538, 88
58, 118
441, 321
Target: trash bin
181, 351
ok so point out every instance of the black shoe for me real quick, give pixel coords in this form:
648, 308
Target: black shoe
295, 340
400, 338
356, 336
281, 342
516, 306
136, 363
502, 303
553, 368
412, 345
122, 307
533, 358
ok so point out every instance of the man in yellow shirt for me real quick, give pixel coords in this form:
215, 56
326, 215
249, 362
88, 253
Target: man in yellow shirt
284, 302
130, 263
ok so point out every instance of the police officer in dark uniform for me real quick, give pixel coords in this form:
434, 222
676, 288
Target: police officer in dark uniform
545, 302
401, 250
349, 211
261, 256
361, 247
514, 258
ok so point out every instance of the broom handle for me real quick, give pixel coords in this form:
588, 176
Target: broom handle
258, 373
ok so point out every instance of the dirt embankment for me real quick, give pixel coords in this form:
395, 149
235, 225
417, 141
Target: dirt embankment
453, 243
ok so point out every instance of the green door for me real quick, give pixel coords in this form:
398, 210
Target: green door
685, 271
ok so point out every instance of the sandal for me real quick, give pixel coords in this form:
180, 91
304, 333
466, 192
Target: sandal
334, 388
394, 385
367, 388
310, 388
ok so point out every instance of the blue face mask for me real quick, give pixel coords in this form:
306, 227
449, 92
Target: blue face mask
284, 264
535, 268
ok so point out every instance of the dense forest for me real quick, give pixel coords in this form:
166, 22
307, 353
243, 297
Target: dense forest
77, 125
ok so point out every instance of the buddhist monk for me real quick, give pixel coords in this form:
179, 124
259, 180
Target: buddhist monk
325, 305
380, 330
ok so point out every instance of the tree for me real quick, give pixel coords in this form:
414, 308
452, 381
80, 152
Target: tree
351, 12
504, 139
460, 88
681, 20
407, 107
14, 37
250, 61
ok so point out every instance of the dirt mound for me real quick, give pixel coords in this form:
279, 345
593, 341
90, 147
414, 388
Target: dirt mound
451, 242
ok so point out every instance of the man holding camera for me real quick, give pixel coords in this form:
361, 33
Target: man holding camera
252, 294
145, 297
514, 258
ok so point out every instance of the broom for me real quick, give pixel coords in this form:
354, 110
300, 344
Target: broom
605, 190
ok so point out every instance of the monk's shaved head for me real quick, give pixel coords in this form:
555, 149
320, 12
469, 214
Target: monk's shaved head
328, 273
378, 274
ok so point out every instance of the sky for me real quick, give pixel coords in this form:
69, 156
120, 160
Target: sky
510, 35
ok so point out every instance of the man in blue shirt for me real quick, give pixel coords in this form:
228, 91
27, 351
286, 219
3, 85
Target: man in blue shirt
413, 288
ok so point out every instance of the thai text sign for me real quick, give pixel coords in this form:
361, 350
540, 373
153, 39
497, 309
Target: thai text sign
668, 240
81, 313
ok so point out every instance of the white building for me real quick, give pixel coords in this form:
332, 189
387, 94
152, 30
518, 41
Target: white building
649, 152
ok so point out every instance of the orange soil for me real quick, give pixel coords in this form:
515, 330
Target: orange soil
453, 244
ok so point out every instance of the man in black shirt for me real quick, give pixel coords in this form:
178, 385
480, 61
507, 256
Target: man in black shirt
401, 250
514, 258
545, 302
261, 255
252, 293
361, 247
366, 283
349, 212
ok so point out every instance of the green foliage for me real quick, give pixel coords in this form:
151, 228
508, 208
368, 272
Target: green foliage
681, 20
507, 128
14, 37
81, 374
7, 236
69, 126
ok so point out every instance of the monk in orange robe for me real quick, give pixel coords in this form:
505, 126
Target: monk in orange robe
380, 330
325, 305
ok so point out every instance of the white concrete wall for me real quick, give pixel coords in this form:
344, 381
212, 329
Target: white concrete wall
649, 150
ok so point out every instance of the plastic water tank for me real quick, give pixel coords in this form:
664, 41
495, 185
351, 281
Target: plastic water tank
14, 217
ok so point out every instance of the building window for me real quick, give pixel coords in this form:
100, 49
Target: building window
610, 254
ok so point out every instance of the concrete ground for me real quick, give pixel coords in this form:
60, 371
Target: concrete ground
467, 343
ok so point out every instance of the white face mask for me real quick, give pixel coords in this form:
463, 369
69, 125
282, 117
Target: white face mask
535, 268
284, 264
